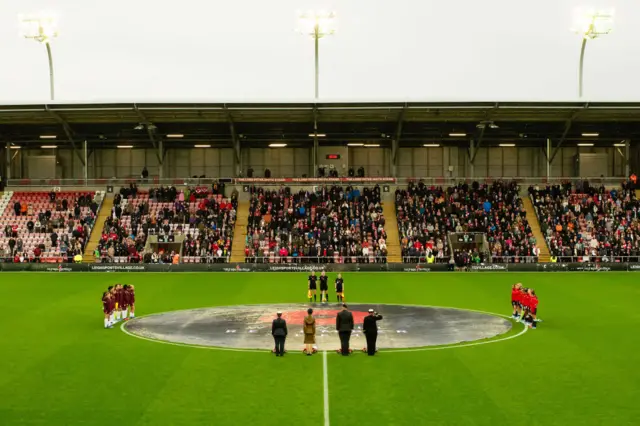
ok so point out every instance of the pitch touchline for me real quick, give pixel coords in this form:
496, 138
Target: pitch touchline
437, 348
325, 379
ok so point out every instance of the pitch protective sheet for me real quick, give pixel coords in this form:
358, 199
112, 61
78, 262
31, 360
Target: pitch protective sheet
249, 326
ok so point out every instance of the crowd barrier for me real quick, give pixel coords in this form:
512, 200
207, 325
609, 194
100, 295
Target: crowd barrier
329, 267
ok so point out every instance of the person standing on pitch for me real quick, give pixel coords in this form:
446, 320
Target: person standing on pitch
370, 328
339, 288
309, 330
311, 293
279, 333
344, 325
324, 287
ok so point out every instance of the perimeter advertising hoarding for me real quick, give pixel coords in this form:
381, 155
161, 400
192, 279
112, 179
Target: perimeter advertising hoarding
318, 180
330, 267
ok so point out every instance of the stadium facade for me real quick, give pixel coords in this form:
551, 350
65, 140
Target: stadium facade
400, 140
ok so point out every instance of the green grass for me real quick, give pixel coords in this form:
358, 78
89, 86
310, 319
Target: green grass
58, 366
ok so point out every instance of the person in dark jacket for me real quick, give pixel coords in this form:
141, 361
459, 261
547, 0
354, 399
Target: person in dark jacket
279, 333
344, 325
370, 328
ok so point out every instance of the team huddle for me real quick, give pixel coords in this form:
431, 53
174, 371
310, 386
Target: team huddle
525, 305
118, 303
312, 286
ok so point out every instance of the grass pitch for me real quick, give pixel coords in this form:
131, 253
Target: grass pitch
60, 367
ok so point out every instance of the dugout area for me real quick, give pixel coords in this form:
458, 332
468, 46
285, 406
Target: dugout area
60, 367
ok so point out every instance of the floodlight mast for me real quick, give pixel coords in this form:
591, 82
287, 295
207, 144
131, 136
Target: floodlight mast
43, 29
591, 26
317, 24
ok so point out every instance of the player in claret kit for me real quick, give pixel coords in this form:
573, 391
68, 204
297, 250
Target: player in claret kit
106, 309
131, 300
516, 294
125, 302
112, 302
119, 301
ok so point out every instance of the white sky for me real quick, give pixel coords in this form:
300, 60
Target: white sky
248, 50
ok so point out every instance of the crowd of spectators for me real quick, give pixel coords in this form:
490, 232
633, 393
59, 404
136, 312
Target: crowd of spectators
61, 228
330, 224
427, 214
200, 217
588, 223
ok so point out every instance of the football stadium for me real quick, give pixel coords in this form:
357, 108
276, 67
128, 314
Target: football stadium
309, 260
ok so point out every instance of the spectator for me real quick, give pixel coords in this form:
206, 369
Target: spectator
330, 224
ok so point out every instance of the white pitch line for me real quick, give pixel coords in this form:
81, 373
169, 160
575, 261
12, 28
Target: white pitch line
420, 349
325, 379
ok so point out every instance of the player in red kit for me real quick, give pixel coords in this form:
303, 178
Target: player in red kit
516, 292
533, 306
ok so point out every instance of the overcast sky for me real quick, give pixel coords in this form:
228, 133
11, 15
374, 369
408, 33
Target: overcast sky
248, 50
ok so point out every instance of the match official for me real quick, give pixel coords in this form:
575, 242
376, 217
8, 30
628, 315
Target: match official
279, 333
370, 328
344, 325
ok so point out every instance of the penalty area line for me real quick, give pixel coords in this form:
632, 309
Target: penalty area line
325, 380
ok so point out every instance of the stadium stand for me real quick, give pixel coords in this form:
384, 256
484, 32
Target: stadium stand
46, 226
199, 220
331, 224
426, 215
589, 223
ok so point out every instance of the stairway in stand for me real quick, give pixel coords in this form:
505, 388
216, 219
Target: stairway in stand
96, 232
637, 194
532, 218
394, 253
240, 232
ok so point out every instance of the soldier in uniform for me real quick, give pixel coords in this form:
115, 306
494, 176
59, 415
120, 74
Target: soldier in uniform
370, 328
309, 330
279, 333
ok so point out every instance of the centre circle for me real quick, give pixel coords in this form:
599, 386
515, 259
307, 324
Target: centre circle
249, 326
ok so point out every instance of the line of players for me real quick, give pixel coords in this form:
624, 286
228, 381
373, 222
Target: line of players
525, 305
324, 288
118, 303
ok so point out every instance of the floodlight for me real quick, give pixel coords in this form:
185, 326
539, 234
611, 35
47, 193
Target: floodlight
42, 28
317, 23
590, 25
